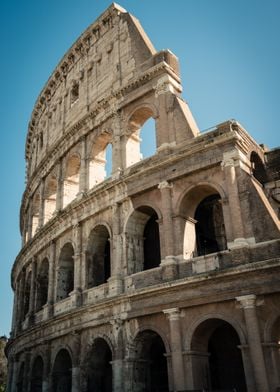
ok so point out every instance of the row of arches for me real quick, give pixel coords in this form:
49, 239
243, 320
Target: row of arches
143, 241
60, 189
215, 356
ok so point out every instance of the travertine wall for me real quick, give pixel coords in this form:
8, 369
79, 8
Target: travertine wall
135, 281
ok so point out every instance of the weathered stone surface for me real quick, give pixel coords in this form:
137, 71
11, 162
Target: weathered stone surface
162, 275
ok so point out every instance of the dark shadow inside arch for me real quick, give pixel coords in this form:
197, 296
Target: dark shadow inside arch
98, 256
42, 281
62, 372
151, 243
98, 368
65, 274
218, 365
150, 369
37, 375
210, 229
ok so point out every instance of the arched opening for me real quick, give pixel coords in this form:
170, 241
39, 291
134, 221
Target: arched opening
258, 168
210, 229
35, 212
202, 222
218, 363
42, 281
62, 372
100, 166
71, 179
37, 375
143, 241
26, 296
98, 256
65, 273
20, 378
150, 369
141, 142
50, 197
98, 368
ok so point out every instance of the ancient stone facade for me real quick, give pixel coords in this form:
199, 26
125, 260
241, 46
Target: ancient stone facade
162, 275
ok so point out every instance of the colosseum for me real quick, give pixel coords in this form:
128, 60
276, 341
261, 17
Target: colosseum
162, 275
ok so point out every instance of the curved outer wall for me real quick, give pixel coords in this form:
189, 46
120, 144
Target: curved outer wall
166, 255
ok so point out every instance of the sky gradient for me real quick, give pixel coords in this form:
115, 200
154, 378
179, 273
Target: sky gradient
229, 53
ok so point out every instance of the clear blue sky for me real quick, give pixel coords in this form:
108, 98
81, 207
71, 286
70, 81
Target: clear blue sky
229, 54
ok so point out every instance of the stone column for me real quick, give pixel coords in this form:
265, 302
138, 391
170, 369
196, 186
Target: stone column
83, 184
169, 263
248, 303
76, 348
237, 229
117, 148
42, 203
46, 370
31, 309
272, 360
117, 362
115, 281
166, 199
29, 218
77, 239
51, 285
12, 385
20, 302
14, 317
59, 196
27, 372
10, 375
247, 365
176, 348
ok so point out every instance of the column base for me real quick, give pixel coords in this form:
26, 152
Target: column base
169, 268
115, 285
76, 298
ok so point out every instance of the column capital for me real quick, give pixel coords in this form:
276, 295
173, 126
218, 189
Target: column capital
247, 301
172, 313
164, 185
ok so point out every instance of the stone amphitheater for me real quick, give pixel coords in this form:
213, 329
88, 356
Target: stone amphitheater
162, 275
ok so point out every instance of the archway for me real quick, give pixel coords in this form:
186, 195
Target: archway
217, 364
65, 273
143, 240
202, 222
50, 197
100, 166
37, 375
98, 256
210, 229
150, 366
35, 212
71, 179
62, 372
42, 282
98, 368
141, 139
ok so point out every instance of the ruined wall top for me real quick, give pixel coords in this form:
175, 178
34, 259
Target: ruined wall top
113, 53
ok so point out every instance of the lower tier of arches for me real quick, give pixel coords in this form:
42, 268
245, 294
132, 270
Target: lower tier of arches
227, 346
